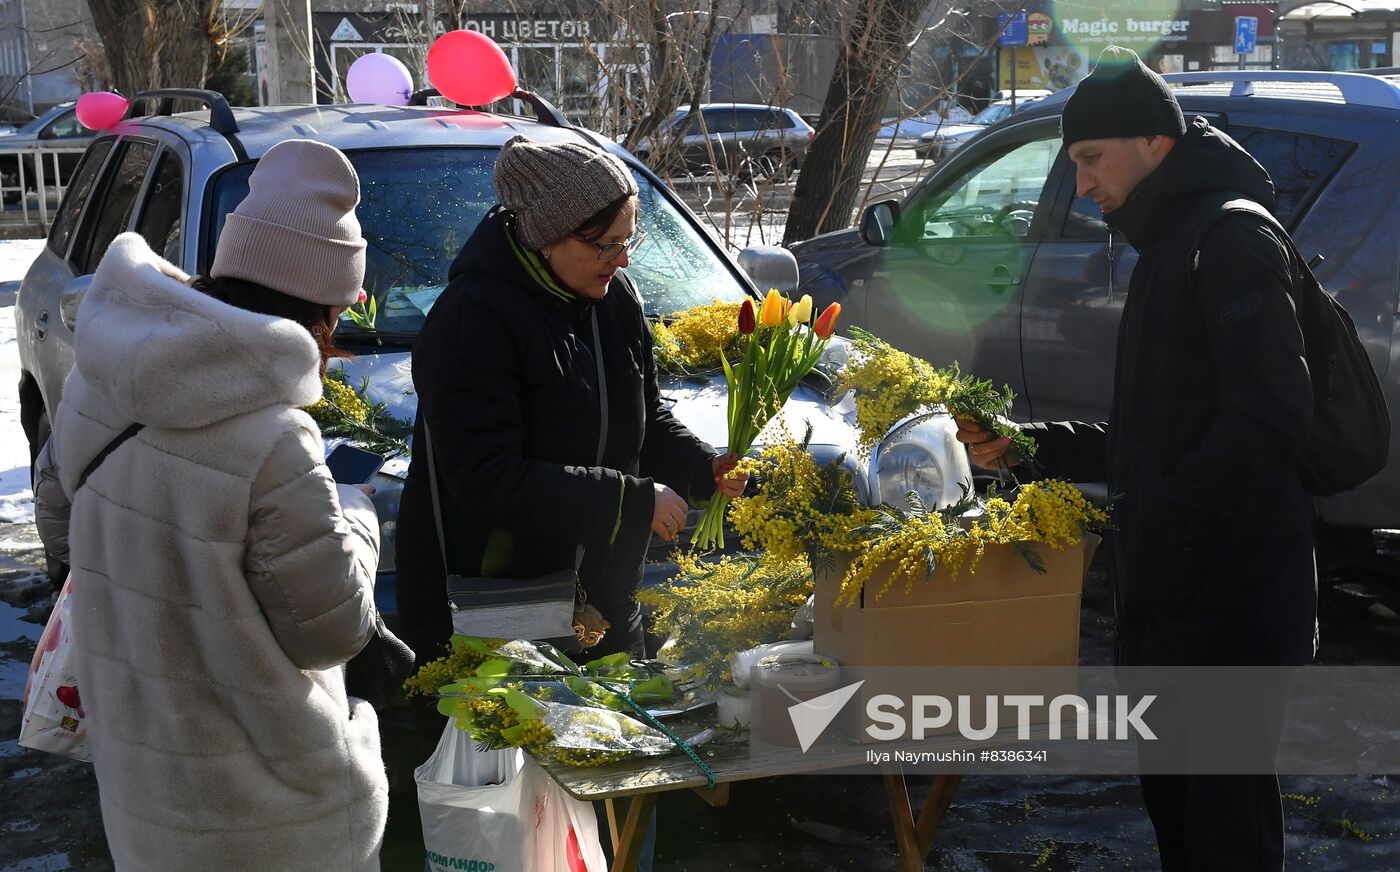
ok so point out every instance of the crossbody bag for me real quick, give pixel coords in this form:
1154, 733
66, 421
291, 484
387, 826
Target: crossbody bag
540, 609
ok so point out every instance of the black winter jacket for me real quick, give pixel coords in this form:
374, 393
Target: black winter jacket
1211, 402
505, 374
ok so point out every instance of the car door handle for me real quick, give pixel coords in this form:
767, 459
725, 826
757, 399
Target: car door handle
41, 325
1001, 279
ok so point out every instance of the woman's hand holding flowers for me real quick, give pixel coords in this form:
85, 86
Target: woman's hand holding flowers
728, 482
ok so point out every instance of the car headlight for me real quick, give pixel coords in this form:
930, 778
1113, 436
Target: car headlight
921, 455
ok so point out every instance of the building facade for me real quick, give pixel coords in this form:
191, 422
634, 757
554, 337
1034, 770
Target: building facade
1065, 39
1340, 35
49, 53
595, 59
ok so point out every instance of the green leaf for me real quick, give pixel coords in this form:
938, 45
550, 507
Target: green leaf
521, 702
658, 688
496, 668
613, 664
1032, 557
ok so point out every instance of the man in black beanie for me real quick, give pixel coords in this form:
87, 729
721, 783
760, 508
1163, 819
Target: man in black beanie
1213, 558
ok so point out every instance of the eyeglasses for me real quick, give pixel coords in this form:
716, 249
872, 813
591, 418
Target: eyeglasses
608, 251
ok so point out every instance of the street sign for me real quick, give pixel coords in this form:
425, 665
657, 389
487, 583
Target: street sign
1246, 34
1014, 30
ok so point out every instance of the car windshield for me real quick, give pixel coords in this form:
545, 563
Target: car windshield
992, 114
419, 205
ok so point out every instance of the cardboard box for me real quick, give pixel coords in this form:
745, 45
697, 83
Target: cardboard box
1003, 615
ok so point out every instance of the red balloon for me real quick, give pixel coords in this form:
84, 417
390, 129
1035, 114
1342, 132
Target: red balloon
100, 110
469, 69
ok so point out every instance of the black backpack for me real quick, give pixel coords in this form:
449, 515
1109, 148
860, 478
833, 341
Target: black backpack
1350, 437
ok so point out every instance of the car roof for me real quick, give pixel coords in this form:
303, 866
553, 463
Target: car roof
1304, 87
703, 106
362, 126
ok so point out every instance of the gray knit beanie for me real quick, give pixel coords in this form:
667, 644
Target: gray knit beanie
296, 231
553, 188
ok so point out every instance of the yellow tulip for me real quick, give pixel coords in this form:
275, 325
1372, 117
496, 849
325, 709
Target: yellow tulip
772, 314
802, 312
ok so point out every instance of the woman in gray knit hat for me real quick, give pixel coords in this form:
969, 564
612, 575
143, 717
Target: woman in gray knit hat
506, 372
220, 577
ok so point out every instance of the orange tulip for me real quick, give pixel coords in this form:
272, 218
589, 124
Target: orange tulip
773, 310
826, 321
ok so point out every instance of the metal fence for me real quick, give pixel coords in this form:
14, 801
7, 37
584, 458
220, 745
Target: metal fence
32, 184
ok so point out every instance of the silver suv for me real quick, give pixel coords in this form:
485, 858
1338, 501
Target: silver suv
993, 260
426, 179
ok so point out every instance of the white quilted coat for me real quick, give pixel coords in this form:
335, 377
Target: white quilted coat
220, 580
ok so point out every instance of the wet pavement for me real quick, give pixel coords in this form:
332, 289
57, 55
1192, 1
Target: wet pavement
49, 816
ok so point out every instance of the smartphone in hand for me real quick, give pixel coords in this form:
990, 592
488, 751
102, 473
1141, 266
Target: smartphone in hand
351, 465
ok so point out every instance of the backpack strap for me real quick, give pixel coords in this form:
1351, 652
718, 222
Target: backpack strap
1216, 207
103, 454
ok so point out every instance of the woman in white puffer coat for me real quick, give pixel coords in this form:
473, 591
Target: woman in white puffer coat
220, 577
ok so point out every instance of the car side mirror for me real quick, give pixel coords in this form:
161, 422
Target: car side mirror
72, 298
877, 223
770, 266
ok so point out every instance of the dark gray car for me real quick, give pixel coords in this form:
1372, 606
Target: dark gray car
57, 131
994, 262
744, 139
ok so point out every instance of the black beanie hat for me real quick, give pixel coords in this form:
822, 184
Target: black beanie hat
1121, 97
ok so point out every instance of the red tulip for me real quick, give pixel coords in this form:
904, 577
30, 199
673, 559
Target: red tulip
360, 300
747, 321
826, 321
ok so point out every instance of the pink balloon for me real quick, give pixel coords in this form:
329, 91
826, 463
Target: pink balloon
379, 78
469, 69
100, 110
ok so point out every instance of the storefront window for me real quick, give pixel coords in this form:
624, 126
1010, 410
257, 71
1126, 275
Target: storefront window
1343, 56
1224, 57
578, 71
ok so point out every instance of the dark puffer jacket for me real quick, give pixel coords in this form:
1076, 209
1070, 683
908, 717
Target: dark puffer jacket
505, 373
1212, 400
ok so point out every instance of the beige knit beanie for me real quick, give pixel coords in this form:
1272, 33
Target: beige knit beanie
553, 188
296, 231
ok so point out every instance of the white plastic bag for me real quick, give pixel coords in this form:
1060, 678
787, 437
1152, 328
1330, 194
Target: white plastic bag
498, 811
53, 708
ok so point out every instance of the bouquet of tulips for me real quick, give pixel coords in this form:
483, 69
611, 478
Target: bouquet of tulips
781, 345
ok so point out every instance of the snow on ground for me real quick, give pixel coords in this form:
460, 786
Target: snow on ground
16, 497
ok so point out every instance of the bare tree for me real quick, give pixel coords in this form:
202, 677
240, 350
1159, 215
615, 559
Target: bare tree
875, 40
158, 43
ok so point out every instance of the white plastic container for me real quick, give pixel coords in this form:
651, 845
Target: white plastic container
735, 709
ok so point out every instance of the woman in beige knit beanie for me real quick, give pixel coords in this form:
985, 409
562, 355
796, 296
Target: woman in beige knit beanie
506, 368
224, 577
